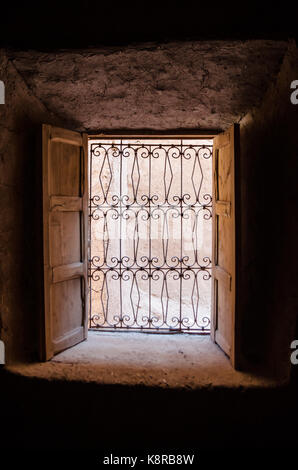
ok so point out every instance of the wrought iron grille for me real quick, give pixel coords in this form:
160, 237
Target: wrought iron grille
150, 235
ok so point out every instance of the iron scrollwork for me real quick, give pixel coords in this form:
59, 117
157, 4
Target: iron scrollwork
147, 207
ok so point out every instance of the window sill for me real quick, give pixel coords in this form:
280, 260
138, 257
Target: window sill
167, 361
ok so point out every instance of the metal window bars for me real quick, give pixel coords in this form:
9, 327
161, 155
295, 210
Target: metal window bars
150, 214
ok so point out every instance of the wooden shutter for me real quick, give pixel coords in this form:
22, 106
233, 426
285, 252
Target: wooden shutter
224, 315
65, 217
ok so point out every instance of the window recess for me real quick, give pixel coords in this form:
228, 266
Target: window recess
145, 264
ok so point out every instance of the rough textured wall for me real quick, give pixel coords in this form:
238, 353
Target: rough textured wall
148, 88
20, 120
191, 85
269, 150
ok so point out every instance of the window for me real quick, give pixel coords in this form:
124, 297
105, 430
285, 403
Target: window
65, 199
150, 224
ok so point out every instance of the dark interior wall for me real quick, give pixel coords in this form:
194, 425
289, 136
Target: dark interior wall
104, 419
49, 415
20, 120
54, 23
268, 146
269, 149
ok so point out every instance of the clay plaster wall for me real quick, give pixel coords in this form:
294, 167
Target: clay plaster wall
268, 203
20, 120
269, 149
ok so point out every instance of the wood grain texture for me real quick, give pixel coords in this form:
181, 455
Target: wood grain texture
67, 271
224, 315
65, 204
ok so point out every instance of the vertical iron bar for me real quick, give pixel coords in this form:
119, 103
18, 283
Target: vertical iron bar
149, 215
120, 238
181, 233
89, 235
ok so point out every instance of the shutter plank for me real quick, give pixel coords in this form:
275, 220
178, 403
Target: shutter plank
223, 276
57, 134
66, 203
68, 271
223, 208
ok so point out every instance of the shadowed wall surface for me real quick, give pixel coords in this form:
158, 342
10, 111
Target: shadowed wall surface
191, 85
53, 23
86, 90
72, 416
269, 147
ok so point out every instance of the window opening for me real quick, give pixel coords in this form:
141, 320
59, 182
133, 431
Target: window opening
150, 209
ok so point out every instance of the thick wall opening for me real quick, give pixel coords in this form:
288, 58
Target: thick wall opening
202, 87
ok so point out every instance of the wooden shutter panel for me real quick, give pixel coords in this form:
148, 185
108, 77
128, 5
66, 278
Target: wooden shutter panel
223, 322
65, 224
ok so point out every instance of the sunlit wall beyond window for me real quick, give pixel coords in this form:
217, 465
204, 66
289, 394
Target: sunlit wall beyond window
150, 234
